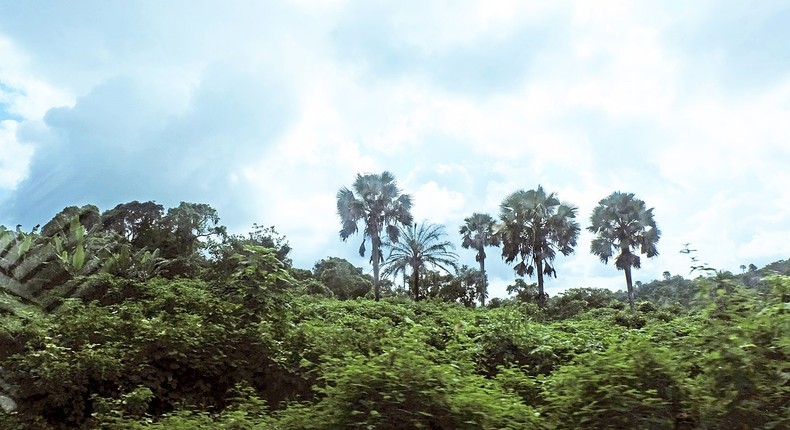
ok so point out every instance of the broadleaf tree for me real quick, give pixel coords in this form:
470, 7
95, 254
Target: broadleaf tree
623, 224
378, 204
477, 233
535, 226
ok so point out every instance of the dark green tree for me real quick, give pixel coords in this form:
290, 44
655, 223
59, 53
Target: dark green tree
535, 226
342, 278
378, 204
420, 247
461, 287
524, 293
477, 233
134, 221
223, 253
623, 224
190, 222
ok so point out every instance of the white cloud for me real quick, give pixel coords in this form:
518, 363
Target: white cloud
14, 156
437, 204
599, 97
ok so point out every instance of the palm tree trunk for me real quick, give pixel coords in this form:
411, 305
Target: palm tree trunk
541, 294
483, 286
376, 242
416, 283
630, 287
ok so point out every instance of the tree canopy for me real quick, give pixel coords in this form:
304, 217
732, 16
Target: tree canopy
377, 204
478, 233
622, 224
420, 247
535, 226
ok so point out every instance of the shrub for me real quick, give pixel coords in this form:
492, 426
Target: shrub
631, 385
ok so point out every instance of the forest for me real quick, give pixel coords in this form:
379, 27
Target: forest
142, 317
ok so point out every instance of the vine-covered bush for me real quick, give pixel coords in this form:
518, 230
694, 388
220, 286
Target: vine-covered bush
630, 385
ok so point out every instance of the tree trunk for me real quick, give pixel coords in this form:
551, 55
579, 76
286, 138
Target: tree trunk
416, 283
483, 283
376, 242
630, 287
541, 294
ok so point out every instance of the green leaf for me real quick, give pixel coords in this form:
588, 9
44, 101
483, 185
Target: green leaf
79, 258
25, 245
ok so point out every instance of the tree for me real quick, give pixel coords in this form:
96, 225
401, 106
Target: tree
191, 221
380, 206
459, 287
421, 247
223, 253
525, 293
478, 233
342, 278
133, 221
536, 225
622, 222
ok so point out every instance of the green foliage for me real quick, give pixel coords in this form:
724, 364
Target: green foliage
524, 293
342, 278
535, 226
463, 287
631, 385
136, 222
665, 292
621, 222
403, 387
222, 251
233, 345
378, 204
170, 337
478, 233
419, 248
575, 301
505, 337
142, 264
743, 372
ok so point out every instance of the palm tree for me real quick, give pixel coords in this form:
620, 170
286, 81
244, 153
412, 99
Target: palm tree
477, 233
534, 227
380, 206
421, 247
622, 222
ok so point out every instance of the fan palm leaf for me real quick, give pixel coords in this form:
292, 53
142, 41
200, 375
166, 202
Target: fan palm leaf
377, 204
623, 225
535, 226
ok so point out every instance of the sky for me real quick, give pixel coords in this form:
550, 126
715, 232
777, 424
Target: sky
264, 109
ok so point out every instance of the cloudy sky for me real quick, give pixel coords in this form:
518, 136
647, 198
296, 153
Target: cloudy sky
265, 109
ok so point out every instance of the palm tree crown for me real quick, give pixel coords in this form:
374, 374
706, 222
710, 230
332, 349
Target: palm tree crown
377, 202
420, 247
477, 233
622, 223
536, 225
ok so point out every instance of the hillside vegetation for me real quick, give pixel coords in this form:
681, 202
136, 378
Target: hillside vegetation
137, 318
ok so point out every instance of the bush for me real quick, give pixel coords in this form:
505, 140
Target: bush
630, 319
175, 340
403, 387
632, 385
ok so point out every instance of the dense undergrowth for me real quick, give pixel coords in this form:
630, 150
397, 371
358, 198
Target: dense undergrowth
185, 354
127, 320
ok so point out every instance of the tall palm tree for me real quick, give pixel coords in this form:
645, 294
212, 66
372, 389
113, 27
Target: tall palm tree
377, 202
478, 233
622, 223
536, 225
420, 247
